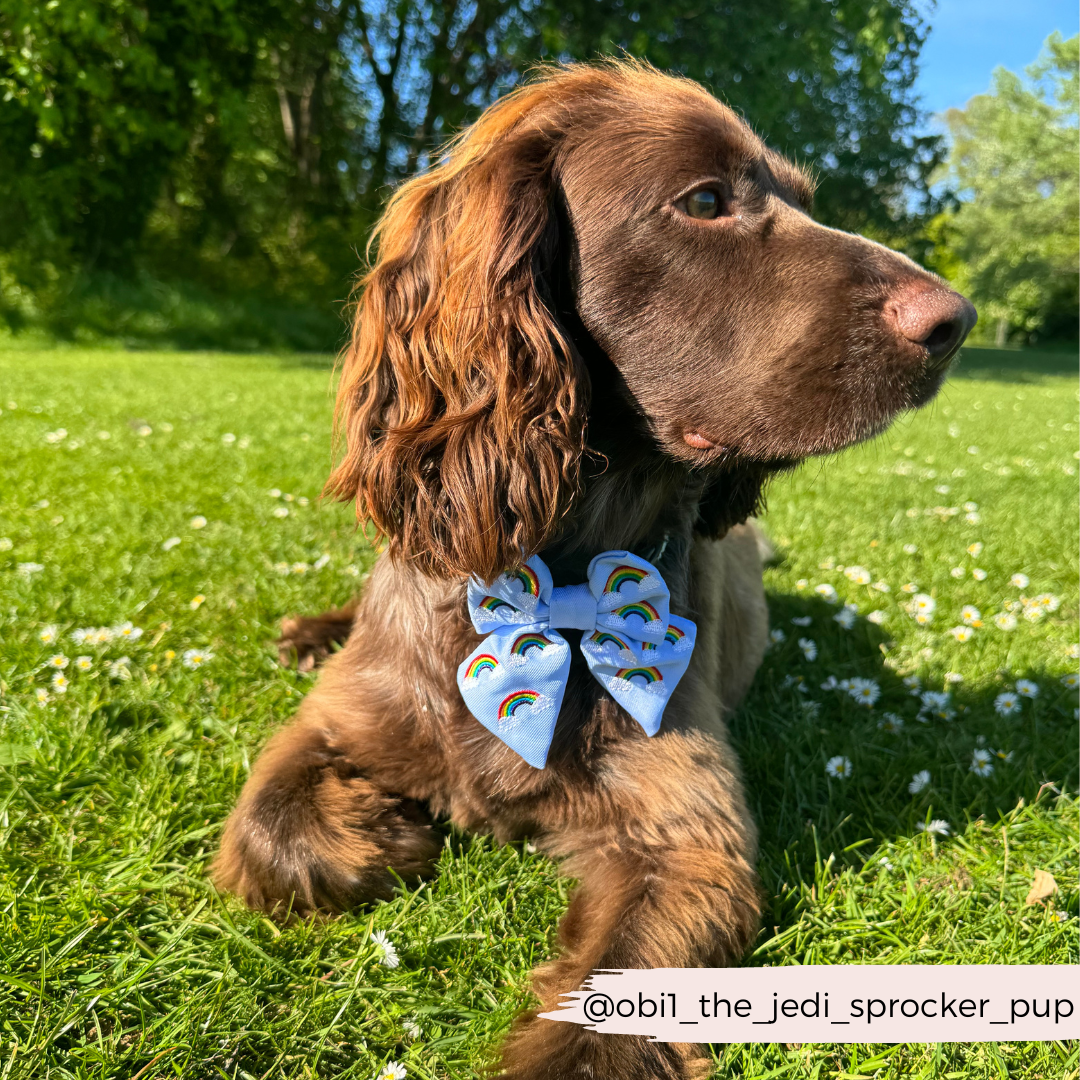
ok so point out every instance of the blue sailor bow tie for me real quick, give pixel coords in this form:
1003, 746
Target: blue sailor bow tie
514, 681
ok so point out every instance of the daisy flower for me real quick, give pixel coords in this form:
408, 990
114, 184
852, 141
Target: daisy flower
1073, 652
1006, 704
1003, 755
320, 562
910, 587
281, 567
953, 677
274, 493
864, 691
922, 604
144, 430
60, 682
41, 695
970, 615
777, 635
228, 438
971, 507
827, 593
195, 658
299, 568
1005, 621
913, 683
802, 583
846, 616
937, 827
412, 1029
962, 633
802, 620
1072, 680
58, 661
48, 634
882, 586
919, 782
389, 957
392, 1070
1020, 581
120, 668
972, 518
198, 522
196, 602
809, 648
957, 572
1047, 601
1027, 688
830, 683
127, 632
1032, 613
838, 766
84, 663
168, 545
981, 764
891, 723
876, 617
978, 574
102, 635
281, 511
975, 550
859, 574
911, 549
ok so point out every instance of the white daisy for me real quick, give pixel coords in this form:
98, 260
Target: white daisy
846, 616
891, 723
1005, 621
911, 549
957, 572
882, 586
809, 648
1072, 680
830, 683
281, 567
776, 636
196, 602
978, 574
877, 617
802, 583
1032, 613
389, 957
320, 562
936, 827
58, 661
195, 658
913, 683
1047, 601
102, 635
827, 593
84, 663
864, 691
60, 682
143, 430
1027, 688
198, 522
1021, 581
975, 550
922, 604
910, 587
981, 764
971, 507
970, 615
127, 632
299, 568
802, 620
839, 766
48, 634
168, 545
1003, 755
41, 695
919, 782
281, 511
972, 518
962, 633
392, 1070
228, 438
1073, 652
1006, 704
953, 677
859, 574
274, 493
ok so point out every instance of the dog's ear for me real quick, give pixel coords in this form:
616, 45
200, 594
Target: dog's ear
461, 400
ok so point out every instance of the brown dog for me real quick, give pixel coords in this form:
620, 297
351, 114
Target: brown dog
602, 321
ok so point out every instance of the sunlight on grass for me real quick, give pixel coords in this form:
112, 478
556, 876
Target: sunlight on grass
160, 514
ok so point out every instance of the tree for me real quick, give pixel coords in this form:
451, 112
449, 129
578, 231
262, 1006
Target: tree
1012, 241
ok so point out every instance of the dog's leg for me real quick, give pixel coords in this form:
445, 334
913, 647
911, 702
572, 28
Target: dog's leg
664, 855
312, 832
309, 639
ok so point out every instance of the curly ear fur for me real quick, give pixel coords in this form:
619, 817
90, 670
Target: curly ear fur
462, 401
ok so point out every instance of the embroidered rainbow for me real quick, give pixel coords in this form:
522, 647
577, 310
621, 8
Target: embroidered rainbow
529, 641
645, 611
529, 581
484, 662
674, 635
648, 646
622, 574
649, 674
493, 603
514, 701
602, 637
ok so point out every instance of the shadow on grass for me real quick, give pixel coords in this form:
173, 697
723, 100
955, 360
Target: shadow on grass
1015, 365
789, 727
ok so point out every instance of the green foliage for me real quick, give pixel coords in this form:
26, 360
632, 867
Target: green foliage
1012, 242
114, 950
244, 147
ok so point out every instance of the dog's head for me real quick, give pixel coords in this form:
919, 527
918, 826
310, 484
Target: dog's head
610, 211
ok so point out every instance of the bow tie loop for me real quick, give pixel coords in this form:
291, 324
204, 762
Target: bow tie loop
514, 681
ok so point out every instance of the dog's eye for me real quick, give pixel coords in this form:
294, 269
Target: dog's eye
703, 204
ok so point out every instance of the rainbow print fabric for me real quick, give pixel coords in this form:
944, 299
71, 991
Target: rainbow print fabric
514, 681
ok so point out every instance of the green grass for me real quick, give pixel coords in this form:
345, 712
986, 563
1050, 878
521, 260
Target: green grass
117, 959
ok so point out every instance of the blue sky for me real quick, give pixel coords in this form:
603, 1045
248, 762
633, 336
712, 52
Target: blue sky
969, 38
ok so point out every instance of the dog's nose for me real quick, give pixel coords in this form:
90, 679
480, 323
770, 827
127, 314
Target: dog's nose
936, 318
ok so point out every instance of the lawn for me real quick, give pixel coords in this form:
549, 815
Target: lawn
159, 513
